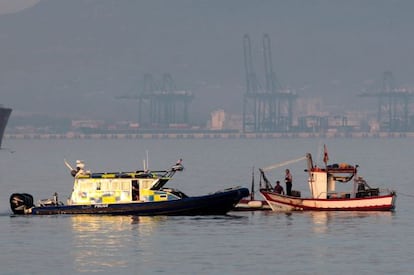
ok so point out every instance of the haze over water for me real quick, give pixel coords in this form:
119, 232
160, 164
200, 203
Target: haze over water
74, 58
239, 243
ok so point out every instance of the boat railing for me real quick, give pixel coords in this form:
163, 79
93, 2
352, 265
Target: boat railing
53, 201
134, 174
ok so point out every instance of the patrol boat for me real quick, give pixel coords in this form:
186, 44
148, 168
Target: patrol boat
139, 193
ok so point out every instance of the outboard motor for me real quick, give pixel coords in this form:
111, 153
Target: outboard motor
20, 203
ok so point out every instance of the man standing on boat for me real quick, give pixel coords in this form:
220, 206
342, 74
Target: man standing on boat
288, 181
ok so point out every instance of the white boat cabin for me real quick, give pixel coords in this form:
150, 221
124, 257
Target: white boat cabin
322, 181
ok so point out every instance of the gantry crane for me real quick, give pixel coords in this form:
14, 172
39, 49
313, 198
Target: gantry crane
162, 106
269, 109
393, 105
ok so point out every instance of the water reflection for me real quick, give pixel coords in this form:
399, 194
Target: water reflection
100, 242
322, 219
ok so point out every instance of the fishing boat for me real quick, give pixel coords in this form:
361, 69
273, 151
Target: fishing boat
4, 118
139, 193
325, 197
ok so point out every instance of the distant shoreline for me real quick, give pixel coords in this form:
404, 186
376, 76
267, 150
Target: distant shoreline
212, 135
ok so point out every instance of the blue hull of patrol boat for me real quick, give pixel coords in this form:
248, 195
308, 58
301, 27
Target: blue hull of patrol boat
218, 203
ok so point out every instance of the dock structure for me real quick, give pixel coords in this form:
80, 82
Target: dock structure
269, 108
393, 113
162, 105
209, 135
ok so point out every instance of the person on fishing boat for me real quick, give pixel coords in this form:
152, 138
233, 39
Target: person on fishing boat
80, 169
278, 188
362, 187
288, 181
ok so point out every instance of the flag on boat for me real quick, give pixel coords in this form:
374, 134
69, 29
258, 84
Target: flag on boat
325, 154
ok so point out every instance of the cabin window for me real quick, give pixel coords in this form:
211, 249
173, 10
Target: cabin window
113, 185
146, 183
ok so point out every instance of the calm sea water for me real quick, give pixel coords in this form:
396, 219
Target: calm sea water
239, 243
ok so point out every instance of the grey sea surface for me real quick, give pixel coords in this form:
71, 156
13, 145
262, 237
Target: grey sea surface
238, 243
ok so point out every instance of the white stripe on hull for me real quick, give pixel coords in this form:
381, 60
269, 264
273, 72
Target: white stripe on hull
283, 203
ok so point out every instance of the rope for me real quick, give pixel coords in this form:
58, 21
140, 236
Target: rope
274, 166
407, 195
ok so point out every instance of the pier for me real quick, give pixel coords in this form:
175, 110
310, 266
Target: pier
210, 135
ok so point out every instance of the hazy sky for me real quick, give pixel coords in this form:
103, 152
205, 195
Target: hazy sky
13, 6
73, 57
